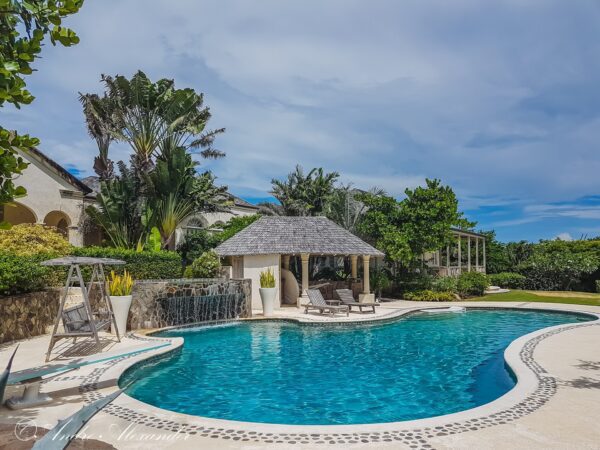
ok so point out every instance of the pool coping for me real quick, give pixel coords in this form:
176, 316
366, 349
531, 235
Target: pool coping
534, 387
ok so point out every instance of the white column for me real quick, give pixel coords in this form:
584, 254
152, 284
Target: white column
477, 253
285, 262
354, 264
366, 295
448, 258
459, 254
484, 265
304, 257
469, 253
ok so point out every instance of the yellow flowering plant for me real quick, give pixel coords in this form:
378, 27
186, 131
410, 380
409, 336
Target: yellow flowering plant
267, 279
120, 285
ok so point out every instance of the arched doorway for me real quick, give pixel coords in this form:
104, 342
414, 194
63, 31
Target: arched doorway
16, 214
60, 221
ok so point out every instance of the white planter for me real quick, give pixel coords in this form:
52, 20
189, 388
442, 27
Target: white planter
267, 296
120, 305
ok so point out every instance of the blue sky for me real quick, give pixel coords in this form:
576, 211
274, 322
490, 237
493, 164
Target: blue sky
498, 99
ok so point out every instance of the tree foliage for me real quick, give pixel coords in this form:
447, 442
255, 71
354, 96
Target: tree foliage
161, 187
419, 223
23, 27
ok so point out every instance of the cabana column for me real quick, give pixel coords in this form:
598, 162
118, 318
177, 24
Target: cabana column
304, 257
354, 265
366, 295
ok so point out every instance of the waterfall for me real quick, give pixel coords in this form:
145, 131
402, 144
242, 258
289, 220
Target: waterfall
205, 308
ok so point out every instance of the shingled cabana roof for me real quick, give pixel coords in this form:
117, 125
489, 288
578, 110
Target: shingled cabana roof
294, 235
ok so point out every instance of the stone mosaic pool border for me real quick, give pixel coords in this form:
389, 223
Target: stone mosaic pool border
414, 438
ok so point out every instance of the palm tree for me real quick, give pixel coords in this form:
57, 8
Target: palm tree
152, 117
162, 125
121, 210
97, 111
175, 192
345, 208
304, 195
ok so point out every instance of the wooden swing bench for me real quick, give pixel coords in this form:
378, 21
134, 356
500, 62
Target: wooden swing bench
80, 321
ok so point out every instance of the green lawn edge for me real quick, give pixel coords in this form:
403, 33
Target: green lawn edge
522, 296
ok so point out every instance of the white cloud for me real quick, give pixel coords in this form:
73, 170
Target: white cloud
564, 237
477, 94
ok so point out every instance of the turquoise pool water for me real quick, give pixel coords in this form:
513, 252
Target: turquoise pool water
420, 366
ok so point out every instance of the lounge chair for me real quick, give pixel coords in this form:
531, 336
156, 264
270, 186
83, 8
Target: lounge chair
318, 302
347, 298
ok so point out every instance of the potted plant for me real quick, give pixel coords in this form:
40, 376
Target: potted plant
119, 290
267, 291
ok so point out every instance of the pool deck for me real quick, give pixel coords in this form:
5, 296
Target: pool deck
555, 405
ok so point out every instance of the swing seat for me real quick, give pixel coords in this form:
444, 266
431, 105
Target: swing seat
77, 323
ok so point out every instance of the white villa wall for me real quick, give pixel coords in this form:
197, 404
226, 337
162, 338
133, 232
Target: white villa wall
253, 266
48, 192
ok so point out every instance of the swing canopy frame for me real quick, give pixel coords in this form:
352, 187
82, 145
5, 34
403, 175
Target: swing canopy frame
80, 321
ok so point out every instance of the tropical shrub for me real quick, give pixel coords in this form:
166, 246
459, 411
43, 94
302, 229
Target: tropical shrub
557, 271
430, 296
207, 265
408, 282
508, 280
21, 274
30, 239
472, 283
145, 265
597, 285
444, 284
379, 279
195, 243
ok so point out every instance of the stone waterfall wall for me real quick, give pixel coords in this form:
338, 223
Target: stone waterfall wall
150, 296
27, 315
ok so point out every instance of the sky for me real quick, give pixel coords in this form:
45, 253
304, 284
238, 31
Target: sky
498, 99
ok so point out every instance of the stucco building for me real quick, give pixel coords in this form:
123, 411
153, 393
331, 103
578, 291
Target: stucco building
54, 197
57, 198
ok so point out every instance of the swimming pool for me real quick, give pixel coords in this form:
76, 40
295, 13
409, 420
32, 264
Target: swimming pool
418, 366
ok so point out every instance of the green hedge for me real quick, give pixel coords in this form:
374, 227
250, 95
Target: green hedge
508, 280
157, 265
429, 296
22, 274
557, 271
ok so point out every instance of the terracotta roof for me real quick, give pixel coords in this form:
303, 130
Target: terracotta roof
293, 235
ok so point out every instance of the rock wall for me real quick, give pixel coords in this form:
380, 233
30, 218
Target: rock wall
150, 296
27, 315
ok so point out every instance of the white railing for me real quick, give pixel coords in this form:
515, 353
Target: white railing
454, 271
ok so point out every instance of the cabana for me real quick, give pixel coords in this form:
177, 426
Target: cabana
269, 243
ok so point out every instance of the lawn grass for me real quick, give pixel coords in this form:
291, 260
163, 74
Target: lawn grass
571, 298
